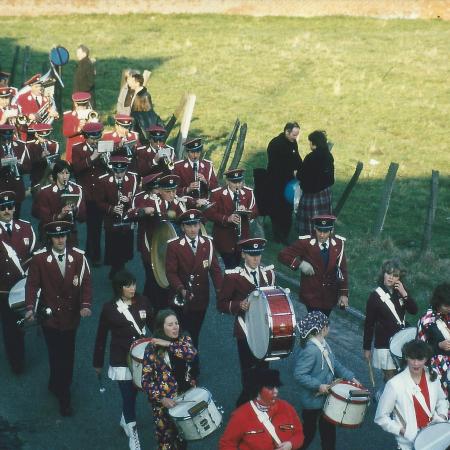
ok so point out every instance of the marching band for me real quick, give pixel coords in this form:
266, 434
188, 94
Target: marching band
121, 183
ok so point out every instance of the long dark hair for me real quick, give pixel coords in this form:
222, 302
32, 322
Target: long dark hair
391, 266
441, 296
419, 350
158, 324
319, 139
122, 279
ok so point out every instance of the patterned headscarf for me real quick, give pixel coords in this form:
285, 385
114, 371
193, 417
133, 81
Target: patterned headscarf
314, 320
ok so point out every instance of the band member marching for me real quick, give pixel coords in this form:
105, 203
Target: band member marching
157, 156
15, 160
88, 166
63, 276
197, 176
113, 195
233, 208
237, 285
60, 200
43, 152
75, 120
190, 259
17, 241
8, 112
323, 266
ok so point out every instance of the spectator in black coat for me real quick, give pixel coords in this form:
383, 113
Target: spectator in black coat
84, 76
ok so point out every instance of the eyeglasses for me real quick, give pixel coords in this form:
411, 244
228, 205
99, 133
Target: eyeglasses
9, 206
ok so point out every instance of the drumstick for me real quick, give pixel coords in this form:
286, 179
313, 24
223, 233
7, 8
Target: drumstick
101, 387
372, 379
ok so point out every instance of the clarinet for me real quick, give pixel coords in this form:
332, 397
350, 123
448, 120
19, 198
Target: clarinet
120, 203
66, 191
236, 207
13, 168
198, 190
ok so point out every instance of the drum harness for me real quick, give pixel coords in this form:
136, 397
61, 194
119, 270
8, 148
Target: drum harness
123, 309
386, 299
263, 417
324, 350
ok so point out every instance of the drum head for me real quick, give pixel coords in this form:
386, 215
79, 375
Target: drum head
59, 56
401, 338
16, 297
187, 401
342, 390
163, 233
434, 437
257, 322
138, 348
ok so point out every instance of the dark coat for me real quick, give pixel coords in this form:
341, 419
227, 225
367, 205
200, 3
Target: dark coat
283, 158
84, 76
317, 171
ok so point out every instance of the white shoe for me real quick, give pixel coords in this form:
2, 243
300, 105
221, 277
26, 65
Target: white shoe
134, 438
124, 426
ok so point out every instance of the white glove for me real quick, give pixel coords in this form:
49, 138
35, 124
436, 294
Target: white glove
306, 268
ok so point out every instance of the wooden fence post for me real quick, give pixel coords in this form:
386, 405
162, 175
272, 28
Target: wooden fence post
348, 189
239, 147
228, 147
14, 65
185, 124
385, 199
431, 214
26, 62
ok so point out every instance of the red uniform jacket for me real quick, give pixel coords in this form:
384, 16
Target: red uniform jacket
131, 136
8, 181
15, 252
47, 204
107, 196
323, 289
28, 103
181, 263
224, 233
245, 432
145, 160
237, 286
71, 131
186, 173
87, 172
39, 162
67, 295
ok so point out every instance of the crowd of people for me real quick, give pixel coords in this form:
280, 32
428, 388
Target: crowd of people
127, 184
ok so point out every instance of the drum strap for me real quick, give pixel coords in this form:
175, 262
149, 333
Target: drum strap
443, 328
386, 299
325, 350
13, 255
417, 393
123, 309
264, 418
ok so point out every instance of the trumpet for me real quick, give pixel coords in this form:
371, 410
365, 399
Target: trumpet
89, 115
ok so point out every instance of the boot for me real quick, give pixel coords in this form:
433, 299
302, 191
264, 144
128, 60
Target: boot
124, 426
134, 438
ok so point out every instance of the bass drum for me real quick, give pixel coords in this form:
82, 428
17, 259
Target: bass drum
398, 341
136, 358
165, 231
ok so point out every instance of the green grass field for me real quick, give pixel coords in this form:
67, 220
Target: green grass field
376, 86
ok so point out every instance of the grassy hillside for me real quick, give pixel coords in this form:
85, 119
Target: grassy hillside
376, 86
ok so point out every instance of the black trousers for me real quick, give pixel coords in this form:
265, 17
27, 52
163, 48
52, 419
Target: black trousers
61, 355
13, 336
327, 430
247, 362
157, 295
94, 221
119, 243
231, 260
281, 219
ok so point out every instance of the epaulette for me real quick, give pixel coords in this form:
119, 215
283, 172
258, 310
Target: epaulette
103, 176
25, 221
178, 162
68, 112
41, 250
173, 239
140, 193
235, 270
305, 236
248, 188
75, 184
78, 250
340, 237
46, 186
217, 189
271, 267
132, 173
206, 160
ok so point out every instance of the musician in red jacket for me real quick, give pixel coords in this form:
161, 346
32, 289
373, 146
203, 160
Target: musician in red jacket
8, 112
60, 200
17, 241
323, 266
88, 166
190, 259
233, 208
43, 152
238, 284
114, 195
16, 153
75, 120
246, 429
197, 176
63, 276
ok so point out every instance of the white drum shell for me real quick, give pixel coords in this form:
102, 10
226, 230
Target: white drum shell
342, 410
398, 341
435, 436
137, 355
203, 423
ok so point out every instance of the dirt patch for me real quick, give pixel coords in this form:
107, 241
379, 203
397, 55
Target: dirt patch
386, 9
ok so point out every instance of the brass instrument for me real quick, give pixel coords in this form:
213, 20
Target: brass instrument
10, 160
129, 146
64, 196
179, 300
89, 115
196, 179
121, 221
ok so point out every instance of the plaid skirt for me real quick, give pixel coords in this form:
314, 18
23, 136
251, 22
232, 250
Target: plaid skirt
311, 205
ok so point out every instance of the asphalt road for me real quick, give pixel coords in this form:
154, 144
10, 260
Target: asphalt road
29, 417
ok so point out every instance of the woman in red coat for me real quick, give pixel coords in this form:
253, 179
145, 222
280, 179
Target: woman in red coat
245, 431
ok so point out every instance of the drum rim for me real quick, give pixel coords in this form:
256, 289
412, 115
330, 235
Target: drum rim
428, 430
181, 418
135, 344
360, 401
393, 336
161, 279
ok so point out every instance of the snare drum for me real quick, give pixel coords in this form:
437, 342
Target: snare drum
435, 436
346, 404
398, 341
195, 414
137, 350
270, 323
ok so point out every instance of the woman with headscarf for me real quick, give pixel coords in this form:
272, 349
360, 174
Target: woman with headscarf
166, 374
413, 398
315, 368
266, 422
385, 315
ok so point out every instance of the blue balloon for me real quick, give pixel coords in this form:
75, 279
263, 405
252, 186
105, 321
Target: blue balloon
59, 56
289, 191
